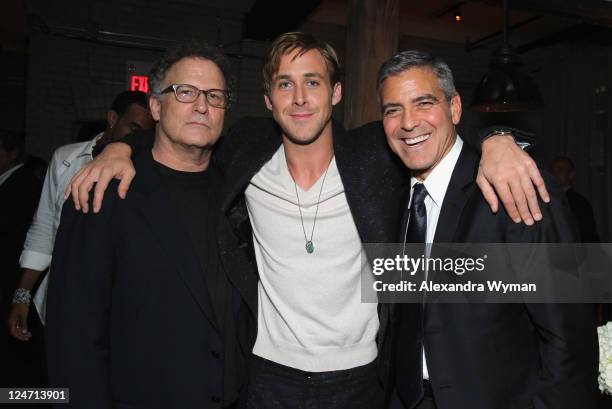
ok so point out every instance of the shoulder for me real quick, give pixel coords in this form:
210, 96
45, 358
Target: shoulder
66, 151
72, 217
369, 145
251, 127
372, 133
248, 137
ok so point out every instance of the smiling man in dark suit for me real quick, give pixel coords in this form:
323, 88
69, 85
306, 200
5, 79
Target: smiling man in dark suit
478, 356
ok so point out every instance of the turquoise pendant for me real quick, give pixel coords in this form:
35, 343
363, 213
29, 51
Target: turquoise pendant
309, 247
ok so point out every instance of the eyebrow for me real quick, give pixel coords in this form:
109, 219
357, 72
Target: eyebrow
426, 97
420, 98
390, 105
307, 75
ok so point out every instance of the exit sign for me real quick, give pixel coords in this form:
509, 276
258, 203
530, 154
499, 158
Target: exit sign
137, 75
139, 83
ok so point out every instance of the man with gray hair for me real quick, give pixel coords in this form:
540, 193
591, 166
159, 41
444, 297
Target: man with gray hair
478, 356
137, 306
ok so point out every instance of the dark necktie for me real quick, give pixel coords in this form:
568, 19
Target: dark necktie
417, 224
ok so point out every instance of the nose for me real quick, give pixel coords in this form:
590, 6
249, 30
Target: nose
201, 104
299, 95
409, 120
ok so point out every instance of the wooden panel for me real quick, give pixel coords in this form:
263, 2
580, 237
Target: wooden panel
372, 37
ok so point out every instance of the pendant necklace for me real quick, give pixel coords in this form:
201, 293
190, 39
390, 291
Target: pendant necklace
309, 245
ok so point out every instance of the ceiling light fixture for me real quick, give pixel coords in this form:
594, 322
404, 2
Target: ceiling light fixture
506, 87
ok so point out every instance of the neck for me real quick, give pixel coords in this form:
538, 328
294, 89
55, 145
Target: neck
307, 163
180, 157
421, 175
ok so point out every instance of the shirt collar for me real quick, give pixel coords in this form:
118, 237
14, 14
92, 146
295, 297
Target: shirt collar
88, 149
439, 178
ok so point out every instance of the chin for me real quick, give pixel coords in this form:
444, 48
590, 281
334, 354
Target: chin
202, 136
302, 137
307, 140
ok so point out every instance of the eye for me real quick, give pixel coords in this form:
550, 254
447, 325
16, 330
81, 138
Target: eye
284, 85
312, 83
186, 92
215, 96
391, 112
425, 104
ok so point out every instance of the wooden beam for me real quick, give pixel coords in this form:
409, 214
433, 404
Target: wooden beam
372, 37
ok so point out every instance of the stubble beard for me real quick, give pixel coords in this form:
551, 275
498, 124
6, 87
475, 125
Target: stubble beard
305, 141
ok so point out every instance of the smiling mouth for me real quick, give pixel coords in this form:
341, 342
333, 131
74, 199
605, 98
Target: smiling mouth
417, 140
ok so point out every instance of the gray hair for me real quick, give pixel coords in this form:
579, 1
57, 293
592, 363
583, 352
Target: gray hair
406, 60
190, 49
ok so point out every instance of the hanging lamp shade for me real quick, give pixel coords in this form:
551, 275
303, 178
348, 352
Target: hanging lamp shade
506, 87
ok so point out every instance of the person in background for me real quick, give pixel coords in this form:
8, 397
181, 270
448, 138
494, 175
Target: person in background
90, 129
564, 171
128, 113
19, 192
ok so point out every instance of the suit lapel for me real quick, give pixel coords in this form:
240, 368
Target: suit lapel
161, 216
349, 168
240, 164
373, 182
456, 195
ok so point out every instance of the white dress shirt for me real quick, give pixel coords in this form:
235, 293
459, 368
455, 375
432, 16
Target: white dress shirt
38, 246
437, 184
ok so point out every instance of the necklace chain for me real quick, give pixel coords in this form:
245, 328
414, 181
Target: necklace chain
309, 245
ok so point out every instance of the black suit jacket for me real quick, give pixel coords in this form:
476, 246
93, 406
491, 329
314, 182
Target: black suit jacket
130, 322
372, 179
506, 356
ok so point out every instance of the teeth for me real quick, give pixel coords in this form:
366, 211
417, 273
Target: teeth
414, 141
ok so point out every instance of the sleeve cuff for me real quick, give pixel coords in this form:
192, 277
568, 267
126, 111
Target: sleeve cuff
34, 260
525, 140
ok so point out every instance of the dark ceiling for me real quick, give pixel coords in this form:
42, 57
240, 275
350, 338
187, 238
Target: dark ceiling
434, 19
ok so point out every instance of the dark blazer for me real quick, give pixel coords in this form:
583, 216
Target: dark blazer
131, 322
506, 356
371, 176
